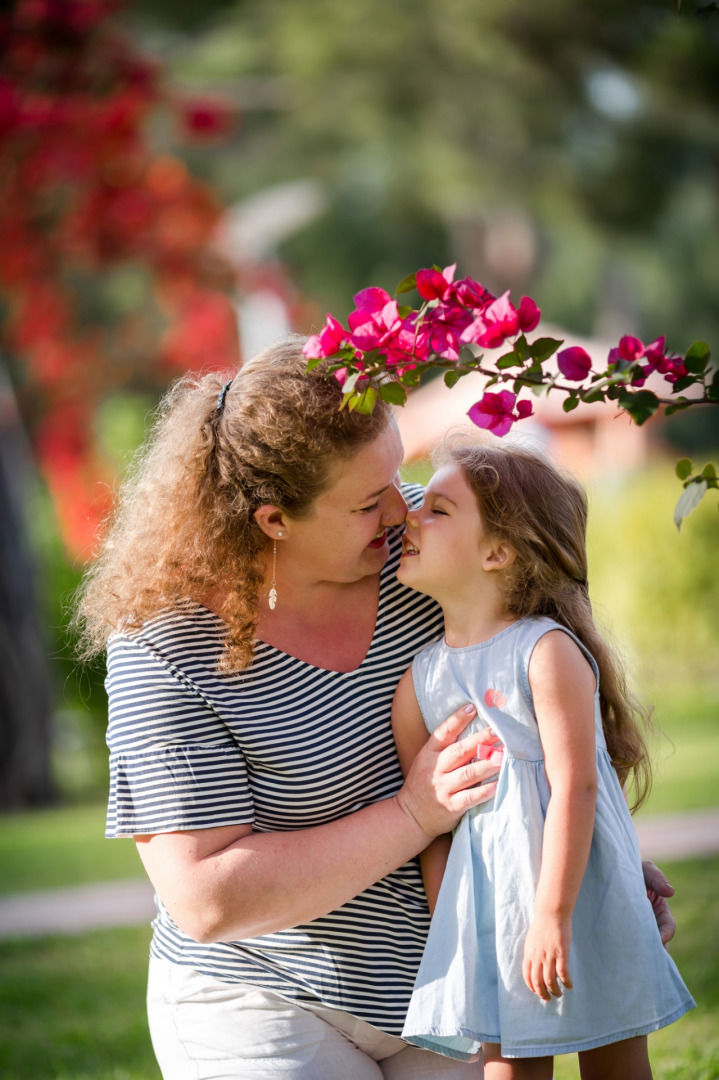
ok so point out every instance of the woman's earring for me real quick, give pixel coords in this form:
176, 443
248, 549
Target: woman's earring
273, 584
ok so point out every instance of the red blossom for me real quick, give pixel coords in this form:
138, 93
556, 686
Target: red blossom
329, 341
435, 284
497, 413
575, 363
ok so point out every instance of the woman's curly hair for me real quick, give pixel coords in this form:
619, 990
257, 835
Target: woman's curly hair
184, 527
541, 513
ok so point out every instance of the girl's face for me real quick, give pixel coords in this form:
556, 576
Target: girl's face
345, 537
443, 548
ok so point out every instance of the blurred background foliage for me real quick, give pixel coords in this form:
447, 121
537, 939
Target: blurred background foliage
564, 150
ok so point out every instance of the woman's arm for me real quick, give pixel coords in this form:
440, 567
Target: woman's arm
563, 685
231, 883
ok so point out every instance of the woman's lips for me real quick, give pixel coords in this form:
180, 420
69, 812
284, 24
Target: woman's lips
379, 541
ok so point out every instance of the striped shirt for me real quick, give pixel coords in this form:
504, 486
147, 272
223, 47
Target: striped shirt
283, 745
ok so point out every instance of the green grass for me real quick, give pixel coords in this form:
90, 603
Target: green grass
686, 755
73, 1008
46, 849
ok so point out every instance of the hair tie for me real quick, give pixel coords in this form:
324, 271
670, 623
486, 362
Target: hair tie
223, 394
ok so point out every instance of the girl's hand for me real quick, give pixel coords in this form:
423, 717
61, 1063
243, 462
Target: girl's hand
442, 781
546, 956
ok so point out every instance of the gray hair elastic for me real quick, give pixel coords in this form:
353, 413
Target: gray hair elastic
222, 395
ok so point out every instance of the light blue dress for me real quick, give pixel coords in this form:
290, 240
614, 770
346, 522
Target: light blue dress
469, 987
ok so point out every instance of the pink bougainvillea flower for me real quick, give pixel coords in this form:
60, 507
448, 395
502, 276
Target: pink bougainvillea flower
471, 294
435, 284
632, 349
375, 328
442, 329
528, 314
575, 363
496, 412
497, 322
328, 342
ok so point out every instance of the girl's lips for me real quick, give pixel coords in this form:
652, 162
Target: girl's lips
379, 541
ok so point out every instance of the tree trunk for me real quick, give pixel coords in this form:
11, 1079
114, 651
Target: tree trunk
25, 700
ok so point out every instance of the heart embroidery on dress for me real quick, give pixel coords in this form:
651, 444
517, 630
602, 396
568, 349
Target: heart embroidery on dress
495, 699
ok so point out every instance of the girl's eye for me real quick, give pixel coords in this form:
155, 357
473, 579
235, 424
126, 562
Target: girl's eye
436, 510
369, 509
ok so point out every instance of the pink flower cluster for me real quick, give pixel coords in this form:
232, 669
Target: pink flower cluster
575, 363
454, 314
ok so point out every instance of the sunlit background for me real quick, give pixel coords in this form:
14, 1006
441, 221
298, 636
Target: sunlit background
184, 181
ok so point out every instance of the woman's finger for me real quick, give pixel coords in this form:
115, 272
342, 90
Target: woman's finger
450, 729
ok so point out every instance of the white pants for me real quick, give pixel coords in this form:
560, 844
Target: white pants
204, 1028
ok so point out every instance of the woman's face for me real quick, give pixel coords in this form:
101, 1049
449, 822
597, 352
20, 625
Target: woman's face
345, 537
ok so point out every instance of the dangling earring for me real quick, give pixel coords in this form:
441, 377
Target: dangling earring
273, 585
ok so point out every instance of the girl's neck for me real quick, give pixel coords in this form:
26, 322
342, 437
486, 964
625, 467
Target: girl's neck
472, 623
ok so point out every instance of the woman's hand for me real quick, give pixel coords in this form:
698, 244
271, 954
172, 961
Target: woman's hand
442, 782
658, 889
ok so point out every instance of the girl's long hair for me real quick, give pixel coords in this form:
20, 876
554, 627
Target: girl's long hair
184, 525
541, 514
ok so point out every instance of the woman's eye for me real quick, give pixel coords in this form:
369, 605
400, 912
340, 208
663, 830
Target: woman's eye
436, 510
369, 509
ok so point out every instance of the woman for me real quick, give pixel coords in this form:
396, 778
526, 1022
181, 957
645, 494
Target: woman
258, 633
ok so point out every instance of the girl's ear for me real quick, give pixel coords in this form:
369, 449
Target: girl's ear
498, 556
271, 520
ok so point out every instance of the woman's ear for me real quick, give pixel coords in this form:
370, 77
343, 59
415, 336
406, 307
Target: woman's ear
271, 520
498, 556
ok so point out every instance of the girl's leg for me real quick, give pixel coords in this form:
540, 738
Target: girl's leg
625, 1060
497, 1067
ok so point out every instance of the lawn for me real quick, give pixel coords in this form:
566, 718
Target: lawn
73, 1008
46, 849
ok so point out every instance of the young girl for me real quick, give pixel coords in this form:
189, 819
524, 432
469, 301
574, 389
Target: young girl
542, 939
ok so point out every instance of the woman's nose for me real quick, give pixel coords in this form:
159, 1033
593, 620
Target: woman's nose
396, 508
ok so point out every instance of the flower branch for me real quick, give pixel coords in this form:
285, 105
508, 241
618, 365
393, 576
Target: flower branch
387, 346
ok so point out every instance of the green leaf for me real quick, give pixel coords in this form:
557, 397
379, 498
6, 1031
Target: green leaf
470, 353
452, 377
570, 403
364, 401
590, 396
313, 363
676, 407
544, 347
640, 404
393, 392
403, 310
683, 383
510, 359
690, 498
709, 472
411, 377
349, 383
683, 468
714, 387
407, 284
521, 347
698, 354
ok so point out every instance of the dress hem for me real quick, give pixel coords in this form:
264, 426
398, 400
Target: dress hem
541, 1050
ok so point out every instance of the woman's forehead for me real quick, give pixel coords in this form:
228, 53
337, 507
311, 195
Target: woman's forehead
370, 471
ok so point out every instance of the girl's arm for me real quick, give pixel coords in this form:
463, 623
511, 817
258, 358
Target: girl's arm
563, 686
410, 735
230, 883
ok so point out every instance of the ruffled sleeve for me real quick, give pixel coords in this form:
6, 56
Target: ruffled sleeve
174, 764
